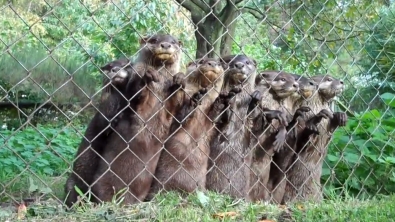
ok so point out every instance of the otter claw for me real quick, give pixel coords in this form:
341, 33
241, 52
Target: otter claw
256, 96
151, 75
178, 80
304, 109
326, 114
341, 118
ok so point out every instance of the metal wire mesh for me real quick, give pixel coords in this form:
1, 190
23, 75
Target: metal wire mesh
52, 85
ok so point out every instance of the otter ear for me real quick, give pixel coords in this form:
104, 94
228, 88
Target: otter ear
144, 40
190, 63
224, 65
180, 43
254, 62
107, 67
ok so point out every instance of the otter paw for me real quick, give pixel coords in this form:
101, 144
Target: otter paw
197, 97
179, 79
151, 75
341, 118
324, 113
303, 109
235, 90
278, 144
312, 128
256, 96
276, 114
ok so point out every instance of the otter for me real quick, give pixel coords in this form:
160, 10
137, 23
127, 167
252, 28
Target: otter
183, 163
130, 158
113, 99
281, 159
228, 169
303, 175
277, 88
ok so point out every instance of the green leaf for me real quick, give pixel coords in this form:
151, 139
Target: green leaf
351, 157
32, 186
389, 99
203, 199
332, 158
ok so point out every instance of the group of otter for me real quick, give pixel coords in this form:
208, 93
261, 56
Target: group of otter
220, 126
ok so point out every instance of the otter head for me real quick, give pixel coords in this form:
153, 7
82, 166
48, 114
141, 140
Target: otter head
239, 69
328, 87
206, 70
161, 48
281, 83
307, 87
118, 70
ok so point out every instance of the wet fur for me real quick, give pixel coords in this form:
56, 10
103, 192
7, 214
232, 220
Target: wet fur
183, 163
134, 151
230, 156
303, 176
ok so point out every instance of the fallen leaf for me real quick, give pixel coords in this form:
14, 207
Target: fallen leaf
22, 211
203, 199
282, 206
232, 215
300, 207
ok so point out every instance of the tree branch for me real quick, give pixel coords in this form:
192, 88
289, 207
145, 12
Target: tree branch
227, 12
261, 16
340, 28
336, 40
192, 8
201, 5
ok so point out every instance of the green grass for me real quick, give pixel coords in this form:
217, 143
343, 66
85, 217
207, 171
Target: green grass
205, 206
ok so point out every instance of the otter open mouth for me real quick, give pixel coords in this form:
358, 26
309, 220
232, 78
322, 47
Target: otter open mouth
241, 77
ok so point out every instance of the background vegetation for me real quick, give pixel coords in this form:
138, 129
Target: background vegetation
51, 52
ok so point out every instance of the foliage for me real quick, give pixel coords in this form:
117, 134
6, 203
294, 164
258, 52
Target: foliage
60, 41
44, 150
361, 157
380, 49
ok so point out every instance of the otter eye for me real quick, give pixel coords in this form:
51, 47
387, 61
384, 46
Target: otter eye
173, 42
248, 62
329, 80
282, 79
153, 41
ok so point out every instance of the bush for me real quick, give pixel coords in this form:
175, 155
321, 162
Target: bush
361, 155
45, 150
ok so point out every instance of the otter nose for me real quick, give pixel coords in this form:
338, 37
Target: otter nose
115, 69
311, 83
165, 45
239, 65
211, 63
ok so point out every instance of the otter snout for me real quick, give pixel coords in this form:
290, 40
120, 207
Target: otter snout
239, 65
165, 45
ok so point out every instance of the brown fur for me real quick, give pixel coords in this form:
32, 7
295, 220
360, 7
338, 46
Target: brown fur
183, 164
303, 176
281, 160
131, 156
114, 99
230, 156
277, 87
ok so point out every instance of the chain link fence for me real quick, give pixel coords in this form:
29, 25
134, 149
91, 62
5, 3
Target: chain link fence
57, 81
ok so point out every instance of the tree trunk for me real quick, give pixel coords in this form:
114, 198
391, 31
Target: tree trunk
208, 38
